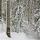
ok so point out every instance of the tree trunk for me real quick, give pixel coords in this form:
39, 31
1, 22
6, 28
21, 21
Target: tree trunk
8, 18
0, 8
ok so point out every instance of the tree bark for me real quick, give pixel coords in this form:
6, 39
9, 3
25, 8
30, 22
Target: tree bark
8, 18
0, 8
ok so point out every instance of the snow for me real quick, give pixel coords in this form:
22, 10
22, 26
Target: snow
2, 27
18, 36
14, 36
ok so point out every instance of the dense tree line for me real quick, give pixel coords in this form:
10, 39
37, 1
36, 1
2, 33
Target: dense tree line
24, 15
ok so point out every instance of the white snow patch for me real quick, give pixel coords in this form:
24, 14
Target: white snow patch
14, 36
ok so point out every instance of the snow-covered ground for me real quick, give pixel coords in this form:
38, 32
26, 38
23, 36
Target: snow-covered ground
15, 36
2, 27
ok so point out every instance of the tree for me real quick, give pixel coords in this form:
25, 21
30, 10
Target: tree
0, 8
8, 18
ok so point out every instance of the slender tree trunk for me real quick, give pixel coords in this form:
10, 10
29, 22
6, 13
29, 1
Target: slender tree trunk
8, 18
0, 8
28, 10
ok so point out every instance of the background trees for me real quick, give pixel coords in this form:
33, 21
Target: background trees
24, 15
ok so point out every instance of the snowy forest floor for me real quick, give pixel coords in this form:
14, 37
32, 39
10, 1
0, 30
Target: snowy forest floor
15, 36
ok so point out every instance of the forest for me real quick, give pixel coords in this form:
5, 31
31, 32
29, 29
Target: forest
21, 16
